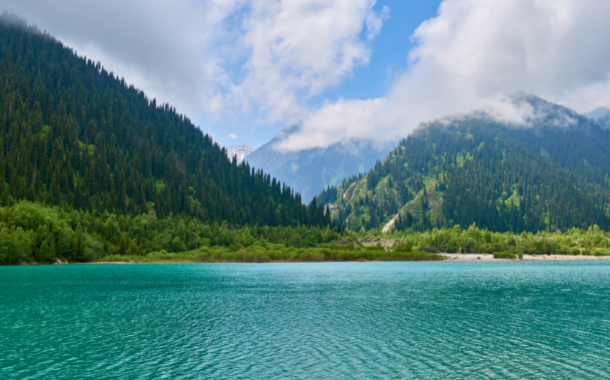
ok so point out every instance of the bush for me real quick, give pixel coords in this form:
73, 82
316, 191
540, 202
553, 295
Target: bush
504, 255
602, 252
429, 249
520, 254
575, 251
402, 247
413, 256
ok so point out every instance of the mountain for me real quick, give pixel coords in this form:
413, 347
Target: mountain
553, 173
76, 136
311, 171
600, 113
240, 152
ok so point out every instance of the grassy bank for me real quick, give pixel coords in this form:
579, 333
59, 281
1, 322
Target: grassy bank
278, 254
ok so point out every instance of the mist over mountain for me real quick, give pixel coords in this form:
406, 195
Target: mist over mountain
310, 171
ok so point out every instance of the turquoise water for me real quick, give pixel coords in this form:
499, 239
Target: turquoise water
306, 321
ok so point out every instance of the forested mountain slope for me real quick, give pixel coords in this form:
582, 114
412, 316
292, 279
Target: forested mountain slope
551, 174
74, 135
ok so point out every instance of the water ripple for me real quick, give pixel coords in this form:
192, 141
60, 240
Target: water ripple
306, 321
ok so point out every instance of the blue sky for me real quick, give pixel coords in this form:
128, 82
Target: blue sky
389, 51
388, 60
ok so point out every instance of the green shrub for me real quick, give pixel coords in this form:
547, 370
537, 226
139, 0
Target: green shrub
602, 252
429, 249
402, 247
504, 255
413, 256
575, 251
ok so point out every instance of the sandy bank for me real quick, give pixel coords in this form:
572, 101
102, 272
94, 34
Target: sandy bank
486, 257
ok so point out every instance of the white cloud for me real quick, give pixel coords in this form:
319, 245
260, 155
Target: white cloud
375, 21
473, 54
298, 48
232, 135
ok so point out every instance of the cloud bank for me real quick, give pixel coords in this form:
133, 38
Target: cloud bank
471, 56
258, 62
298, 48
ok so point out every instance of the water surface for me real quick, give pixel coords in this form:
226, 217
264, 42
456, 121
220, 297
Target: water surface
306, 321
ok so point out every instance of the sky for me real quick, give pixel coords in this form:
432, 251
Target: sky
242, 70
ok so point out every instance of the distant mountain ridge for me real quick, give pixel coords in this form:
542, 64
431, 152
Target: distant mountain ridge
600, 113
311, 171
239, 151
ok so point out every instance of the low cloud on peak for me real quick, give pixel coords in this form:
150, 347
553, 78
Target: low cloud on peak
469, 57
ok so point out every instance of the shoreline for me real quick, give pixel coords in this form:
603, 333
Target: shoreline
488, 257
451, 258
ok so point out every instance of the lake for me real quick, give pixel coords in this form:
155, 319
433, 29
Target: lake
306, 321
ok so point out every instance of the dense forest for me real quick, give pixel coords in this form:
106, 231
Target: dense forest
547, 176
31, 232
76, 137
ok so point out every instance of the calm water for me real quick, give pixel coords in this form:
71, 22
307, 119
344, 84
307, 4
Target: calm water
306, 321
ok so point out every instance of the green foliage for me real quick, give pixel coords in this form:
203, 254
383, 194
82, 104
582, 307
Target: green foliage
31, 232
505, 255
602, 252
430, 249
280, 254
15, 245
403, 247
474, 240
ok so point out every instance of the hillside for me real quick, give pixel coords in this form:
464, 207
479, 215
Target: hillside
74, 135
310, 171
550, 175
